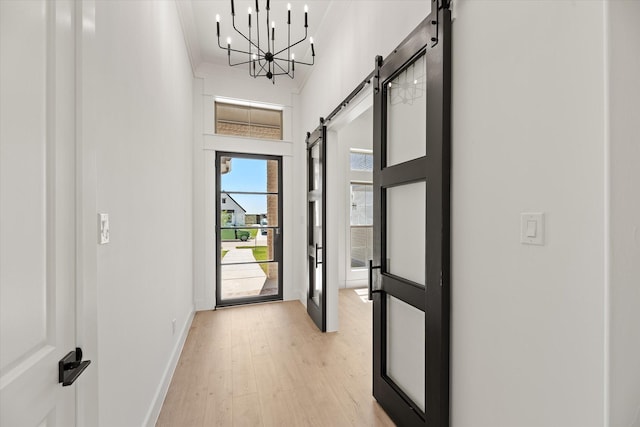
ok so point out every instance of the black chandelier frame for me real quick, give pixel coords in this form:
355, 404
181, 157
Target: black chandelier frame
267, 62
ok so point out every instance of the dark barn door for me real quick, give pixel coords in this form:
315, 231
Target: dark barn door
316, 234
409, 275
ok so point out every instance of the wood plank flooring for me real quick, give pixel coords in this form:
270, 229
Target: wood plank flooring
268, 365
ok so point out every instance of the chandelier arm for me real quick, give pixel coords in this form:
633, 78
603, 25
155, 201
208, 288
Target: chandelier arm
283, 70
299, 62
244, 52
261, 68
238, 63
296, 43
233, 21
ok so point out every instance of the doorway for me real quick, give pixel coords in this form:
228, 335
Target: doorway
248, 228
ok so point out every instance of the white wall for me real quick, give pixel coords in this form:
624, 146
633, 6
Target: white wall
528, 135
137, 132
624, 134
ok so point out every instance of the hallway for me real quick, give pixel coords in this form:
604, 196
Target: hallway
268, 365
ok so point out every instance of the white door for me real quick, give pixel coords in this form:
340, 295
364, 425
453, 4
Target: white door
37, 211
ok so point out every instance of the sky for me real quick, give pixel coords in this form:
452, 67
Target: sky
247, 175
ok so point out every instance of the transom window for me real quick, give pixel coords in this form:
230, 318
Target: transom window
248, 121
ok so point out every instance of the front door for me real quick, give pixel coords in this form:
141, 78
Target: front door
317, 234
249, 235
409, 274
37, 211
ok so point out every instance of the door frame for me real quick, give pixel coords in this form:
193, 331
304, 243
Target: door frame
278, 246
433, 39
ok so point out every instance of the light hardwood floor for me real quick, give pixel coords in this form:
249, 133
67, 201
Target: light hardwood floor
268, 365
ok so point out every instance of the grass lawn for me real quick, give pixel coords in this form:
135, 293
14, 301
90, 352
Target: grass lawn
224, 252
260, 253
229, 234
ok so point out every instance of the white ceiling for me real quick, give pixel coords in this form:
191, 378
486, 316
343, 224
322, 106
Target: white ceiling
199, 23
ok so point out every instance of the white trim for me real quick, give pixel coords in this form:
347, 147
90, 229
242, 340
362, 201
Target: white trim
167, 376
607, 220
87, 396
245, 103
237, 144
360, 151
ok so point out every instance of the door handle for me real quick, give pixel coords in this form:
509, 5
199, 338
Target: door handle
71, 366
317, 249
371, 268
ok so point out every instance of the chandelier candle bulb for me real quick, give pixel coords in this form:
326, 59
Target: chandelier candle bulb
288, 13
273, 31
257, 10
218, 25
249, 11
306, 10
233, 9
313, 51
268, 8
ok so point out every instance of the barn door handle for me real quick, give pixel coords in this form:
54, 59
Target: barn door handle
318, 248
71, 366
371, 268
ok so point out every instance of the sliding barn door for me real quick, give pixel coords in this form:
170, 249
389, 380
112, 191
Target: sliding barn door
409, 275
316, 234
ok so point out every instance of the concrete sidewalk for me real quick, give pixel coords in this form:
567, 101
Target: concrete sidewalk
241, 280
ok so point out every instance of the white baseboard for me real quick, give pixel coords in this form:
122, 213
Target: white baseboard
161, 393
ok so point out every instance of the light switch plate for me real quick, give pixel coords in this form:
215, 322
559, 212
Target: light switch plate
103, 228
532, 228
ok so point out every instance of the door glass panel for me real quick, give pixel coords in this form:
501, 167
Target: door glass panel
317, 280
406, 221
249, 279
406, 114
406, 349
315, 178
252, 210
317, 263
248, 175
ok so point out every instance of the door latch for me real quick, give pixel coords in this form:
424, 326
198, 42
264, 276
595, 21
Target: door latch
71, 366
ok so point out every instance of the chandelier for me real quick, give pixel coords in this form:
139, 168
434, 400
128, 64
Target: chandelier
263, 59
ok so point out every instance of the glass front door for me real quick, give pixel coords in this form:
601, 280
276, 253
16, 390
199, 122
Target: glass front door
249, 228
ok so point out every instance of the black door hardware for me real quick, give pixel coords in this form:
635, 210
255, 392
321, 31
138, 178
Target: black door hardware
371, 268
71, 366
318, 248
